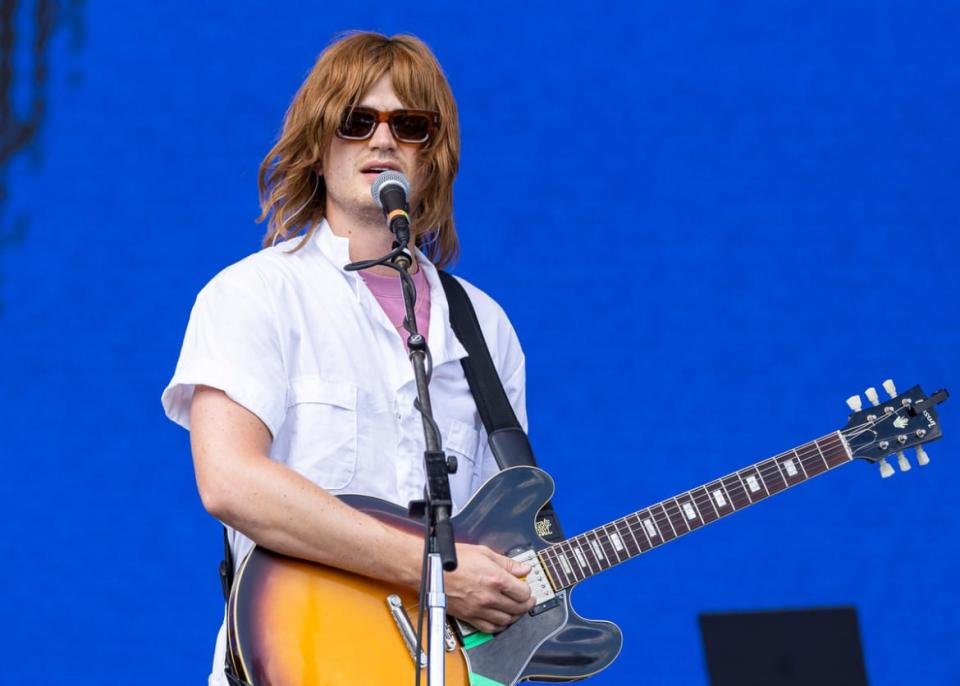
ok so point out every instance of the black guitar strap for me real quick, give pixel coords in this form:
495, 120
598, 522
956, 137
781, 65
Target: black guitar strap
509, 443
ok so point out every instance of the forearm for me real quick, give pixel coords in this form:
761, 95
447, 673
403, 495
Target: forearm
281, 510
278, 508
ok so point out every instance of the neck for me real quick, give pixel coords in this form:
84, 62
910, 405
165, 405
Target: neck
577, 558
368, 236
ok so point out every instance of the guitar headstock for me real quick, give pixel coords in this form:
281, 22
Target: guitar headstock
907, 420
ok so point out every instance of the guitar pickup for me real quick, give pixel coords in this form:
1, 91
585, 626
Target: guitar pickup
537, 579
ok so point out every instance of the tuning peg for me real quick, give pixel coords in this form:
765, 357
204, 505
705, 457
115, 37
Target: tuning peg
885, 469
902, 462
890, 388
872, 396
855, 403
922, 458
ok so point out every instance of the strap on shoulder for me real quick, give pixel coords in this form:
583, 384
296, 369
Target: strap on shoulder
508, 441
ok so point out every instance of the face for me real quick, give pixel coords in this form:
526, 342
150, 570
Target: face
348, 166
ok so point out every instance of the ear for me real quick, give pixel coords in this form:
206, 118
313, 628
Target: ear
318, 169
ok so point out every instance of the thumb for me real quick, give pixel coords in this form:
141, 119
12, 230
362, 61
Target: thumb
514, 567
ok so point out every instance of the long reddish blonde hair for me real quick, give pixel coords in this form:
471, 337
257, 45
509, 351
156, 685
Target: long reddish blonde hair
293, 196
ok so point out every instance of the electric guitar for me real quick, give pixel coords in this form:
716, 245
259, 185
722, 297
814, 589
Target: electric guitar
296, 623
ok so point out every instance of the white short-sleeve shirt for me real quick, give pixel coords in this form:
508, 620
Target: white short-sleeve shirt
306, 347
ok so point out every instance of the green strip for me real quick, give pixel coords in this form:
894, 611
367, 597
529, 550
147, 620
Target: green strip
479, 680
477, 639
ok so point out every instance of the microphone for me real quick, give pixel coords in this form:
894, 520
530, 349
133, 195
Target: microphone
390, 190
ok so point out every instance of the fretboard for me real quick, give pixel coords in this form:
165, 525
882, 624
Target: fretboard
597, 550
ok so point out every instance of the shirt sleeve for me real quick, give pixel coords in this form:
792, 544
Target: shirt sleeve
232, 344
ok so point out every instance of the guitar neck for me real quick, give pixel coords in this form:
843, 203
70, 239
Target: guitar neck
597, 550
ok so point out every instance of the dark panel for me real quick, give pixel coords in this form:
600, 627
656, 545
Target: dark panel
790, 648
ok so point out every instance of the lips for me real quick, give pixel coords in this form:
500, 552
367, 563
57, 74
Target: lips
378, 167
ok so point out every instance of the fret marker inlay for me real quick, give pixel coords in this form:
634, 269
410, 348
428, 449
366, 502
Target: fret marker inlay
597, 551
689, 511
790, 467
651, 529
617, 543
752, 483
565, 564
718, 496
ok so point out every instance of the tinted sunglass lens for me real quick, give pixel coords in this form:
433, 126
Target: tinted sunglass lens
357, 124
413, 128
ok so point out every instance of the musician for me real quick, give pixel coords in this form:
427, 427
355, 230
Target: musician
294, 380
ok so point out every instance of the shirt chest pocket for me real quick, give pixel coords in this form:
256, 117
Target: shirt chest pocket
462, 441
322, 421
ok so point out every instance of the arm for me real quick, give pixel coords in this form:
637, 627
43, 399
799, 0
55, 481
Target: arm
280, 509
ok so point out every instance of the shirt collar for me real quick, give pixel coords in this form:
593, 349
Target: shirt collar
444, 345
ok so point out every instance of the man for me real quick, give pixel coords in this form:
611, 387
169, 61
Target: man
293, 379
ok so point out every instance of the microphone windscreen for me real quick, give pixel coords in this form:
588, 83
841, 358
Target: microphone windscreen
385, 179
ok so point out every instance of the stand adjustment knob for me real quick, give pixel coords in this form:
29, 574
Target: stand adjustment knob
452, 464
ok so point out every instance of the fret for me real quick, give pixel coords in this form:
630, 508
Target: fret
566, 579
773, 476
572, 567
547, 563
825, 463
643, 530
800, 462
583, 543
609, 547
753, 482
670, 520
581, 559
618, 548
783, 475
719, 498
585, 551
813, 462
838, 453
701, 498
597, 550
690, 511
791, 469
666, 517
672, 508
633, 536
738, 492
652, 520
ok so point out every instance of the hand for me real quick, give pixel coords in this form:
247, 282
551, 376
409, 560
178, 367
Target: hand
485, 589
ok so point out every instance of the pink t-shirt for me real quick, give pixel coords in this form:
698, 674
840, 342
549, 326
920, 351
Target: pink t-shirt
387, 291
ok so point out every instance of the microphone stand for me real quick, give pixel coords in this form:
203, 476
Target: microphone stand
437, 503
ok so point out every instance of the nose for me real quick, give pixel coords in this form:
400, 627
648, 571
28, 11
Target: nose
382, 138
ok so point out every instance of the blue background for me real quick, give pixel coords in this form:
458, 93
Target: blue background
709, 222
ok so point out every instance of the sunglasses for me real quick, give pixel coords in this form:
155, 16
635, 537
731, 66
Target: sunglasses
407, 126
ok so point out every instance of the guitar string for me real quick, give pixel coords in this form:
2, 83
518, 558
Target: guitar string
813, 454
764, 468
670, 513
